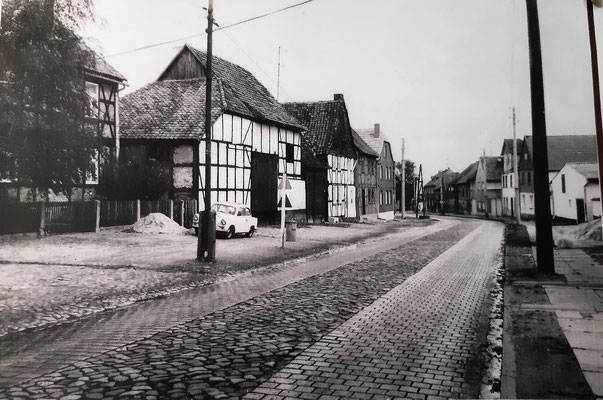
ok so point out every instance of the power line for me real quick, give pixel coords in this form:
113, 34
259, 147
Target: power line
263, 15
215, 30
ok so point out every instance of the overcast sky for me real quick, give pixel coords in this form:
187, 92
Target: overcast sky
442, 74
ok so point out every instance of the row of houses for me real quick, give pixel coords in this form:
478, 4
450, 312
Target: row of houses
489, 186
156, 136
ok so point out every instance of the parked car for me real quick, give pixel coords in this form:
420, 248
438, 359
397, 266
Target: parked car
231, 218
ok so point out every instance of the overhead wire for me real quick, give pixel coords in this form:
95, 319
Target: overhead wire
219, 28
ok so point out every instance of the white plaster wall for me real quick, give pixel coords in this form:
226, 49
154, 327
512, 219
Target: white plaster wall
565, 203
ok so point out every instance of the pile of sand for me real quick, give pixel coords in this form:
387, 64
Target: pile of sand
158, 223
583, 235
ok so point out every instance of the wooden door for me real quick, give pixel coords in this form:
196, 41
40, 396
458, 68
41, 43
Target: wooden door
264, 187
580, 210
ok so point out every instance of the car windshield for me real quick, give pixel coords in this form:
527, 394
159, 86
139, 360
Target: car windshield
223, 208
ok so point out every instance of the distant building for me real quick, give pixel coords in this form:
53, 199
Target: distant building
488, 186
464, 186
561, 150
509, 180
576, 194
365, 176
441, 183
386, 180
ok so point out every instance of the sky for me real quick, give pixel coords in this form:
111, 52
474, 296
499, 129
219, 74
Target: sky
444, 75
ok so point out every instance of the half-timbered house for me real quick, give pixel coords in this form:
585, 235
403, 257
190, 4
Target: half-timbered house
254, 140
365, 176
329, 136
386, 168
103, 83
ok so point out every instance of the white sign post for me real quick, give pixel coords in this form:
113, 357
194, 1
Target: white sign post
283, 187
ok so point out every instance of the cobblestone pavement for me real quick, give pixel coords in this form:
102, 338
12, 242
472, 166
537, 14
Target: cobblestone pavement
27, 355
64, 277
421, 340
231, 351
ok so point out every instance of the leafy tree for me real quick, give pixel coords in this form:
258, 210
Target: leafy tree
409, 181
44, 131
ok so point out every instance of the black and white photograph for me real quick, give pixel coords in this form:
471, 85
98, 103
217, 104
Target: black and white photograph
301, 199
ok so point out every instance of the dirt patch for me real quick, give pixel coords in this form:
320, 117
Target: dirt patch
155, 223
587, 234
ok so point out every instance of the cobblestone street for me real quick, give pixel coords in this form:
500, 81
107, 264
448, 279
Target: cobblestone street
396, 319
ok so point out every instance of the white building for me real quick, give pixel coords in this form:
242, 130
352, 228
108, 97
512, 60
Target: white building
509, 178
575, 192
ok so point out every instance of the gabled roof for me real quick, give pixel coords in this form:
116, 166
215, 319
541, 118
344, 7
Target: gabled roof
567, 148
328, 126
494, 168
449, 176
589, 170
175, 109
468, 174
362, 147
309, 159
508, 146
101, 67
368, 135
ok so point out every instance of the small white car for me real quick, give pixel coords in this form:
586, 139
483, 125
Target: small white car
231, 218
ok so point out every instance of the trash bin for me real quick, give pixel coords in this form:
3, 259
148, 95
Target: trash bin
291, 230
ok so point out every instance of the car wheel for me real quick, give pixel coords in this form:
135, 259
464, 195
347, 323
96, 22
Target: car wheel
251, 231
196, 231
230, 233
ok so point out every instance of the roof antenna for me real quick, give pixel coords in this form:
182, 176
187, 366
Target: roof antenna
278, 76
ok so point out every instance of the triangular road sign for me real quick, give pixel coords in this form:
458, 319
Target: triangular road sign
287, 202
287, 184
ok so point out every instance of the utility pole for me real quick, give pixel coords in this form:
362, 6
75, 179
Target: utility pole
516, 172
402, 184
205, 246
596, 90
545, 259
442, 192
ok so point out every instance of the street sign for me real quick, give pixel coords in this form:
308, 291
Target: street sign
284, 184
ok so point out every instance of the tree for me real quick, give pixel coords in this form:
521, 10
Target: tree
45, 139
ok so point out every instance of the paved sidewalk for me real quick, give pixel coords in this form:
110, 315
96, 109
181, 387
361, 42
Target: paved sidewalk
31, 354
421, 340
579, 309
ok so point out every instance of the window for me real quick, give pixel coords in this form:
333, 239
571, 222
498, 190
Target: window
563, 185
525, 156
570, 202
92, 92
381, 172
531, 201
511, 181
381, 197
529, 177
290, 153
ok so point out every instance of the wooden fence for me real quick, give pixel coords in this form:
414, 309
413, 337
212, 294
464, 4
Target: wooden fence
88, 216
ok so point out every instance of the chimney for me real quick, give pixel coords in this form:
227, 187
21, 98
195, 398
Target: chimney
338, 97
377, 132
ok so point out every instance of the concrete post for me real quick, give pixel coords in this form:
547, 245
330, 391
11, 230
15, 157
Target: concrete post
97, 211
137, 210
171, 209
42, 218
182, 213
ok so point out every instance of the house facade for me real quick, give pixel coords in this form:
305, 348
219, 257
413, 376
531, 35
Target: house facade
328, 136
575, 192
102, 84
561, 150
464, 187
386, 168
254, 141
365, 176
439, 191
488, 187
509, 179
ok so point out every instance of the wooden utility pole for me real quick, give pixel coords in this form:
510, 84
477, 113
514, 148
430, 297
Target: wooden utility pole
402, 184
596, 90
278, 75
545, 259
205, 251
516, 172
